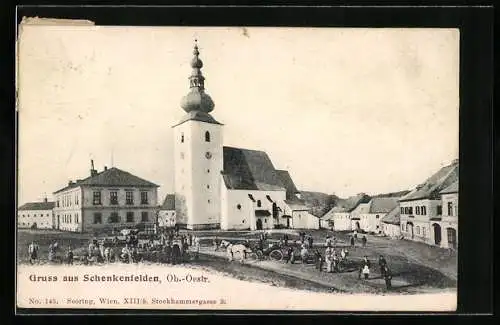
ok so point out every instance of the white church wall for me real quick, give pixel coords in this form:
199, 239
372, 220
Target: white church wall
238, 210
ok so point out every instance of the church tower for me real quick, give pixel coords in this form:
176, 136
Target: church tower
198, 156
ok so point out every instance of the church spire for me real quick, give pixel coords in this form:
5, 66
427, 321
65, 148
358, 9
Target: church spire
196, 79
197, 99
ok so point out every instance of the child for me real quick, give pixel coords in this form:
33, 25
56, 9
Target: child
366, 271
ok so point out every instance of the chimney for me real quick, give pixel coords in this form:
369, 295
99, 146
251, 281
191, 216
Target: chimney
93, 172
454, 161
105, 168
70, 183
45, 200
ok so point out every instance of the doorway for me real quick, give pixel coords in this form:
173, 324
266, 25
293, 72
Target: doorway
288, 222
409, 225
259, 224
357, 225
452, 238
437, 234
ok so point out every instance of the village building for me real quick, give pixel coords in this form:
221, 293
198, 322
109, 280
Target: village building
225, 187
448, 223
391, 223
370, 219
166, 213
36, 215
339, 217
110, 199
422, 208
360, 210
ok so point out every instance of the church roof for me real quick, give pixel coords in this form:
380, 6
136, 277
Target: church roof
169, 202
246, 169
433, 185
286, 180
37, 206
297, 205
198, 116
111, 177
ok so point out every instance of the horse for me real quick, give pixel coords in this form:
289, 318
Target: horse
233, 249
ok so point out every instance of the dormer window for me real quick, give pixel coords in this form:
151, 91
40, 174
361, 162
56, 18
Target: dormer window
207, 136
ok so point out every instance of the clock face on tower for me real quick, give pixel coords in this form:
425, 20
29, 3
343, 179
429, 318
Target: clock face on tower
208, 155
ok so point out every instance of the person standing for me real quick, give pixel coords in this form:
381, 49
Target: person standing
310, 241
319, 260
33, 251
215, 243
387, 278
69, 256
366, 271
352, 241
364, 240
382, 264
328, 259
328, 241
355, 234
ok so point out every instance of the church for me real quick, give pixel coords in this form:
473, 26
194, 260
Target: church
220, 187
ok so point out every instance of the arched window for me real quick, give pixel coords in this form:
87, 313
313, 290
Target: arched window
207, 136
182, 138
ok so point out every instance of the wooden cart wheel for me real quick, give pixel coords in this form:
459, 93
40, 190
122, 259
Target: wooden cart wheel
260, 255
276, 255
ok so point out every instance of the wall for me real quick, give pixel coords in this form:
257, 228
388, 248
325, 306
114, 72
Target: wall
391, 230
197, 178
342, 221
42, 218
166, 218
369, 222
68, 210
244, 218
421, 223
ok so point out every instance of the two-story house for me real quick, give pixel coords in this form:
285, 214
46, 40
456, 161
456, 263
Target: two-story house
422, 206
109, 199
37, 215
448, 223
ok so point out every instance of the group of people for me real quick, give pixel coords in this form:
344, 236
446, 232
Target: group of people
385, 272
354, 237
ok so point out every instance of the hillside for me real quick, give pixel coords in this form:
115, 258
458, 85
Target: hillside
319, 203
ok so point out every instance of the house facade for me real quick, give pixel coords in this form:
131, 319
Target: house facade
421, 210
391, 223
166, 213
37, 215
448, 223
370, 218
105, 200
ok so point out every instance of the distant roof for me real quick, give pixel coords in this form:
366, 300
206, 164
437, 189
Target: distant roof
393, 217
169, 203
433, 185
37, 206
111, 177
383, 204
286, 180
349, 204
362, 208
246, 169
297, 205
198, 116
453, 188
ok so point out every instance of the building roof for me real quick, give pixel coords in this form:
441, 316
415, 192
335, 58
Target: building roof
111, 177
433, 185
383, 204
453, 188
246, 169
286, 180
262, 213
393, 217
297, 205
362, 208
37, 206
169, 202
198, 116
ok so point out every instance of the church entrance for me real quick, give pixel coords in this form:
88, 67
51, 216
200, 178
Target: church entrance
259, 224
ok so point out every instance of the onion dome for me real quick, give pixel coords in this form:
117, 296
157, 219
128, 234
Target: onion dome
197, 99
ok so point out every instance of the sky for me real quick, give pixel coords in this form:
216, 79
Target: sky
343, 110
